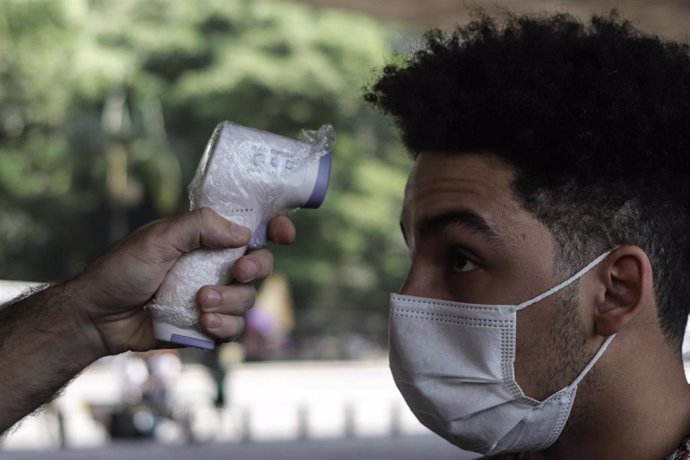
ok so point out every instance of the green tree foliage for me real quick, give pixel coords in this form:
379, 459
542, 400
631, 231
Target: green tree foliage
105, 108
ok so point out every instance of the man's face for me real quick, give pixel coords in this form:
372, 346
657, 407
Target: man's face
471, 241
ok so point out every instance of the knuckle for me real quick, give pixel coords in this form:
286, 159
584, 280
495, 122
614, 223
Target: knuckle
264, 260
239, 298
233, 327
203, 214
240, 324
234, 297
243, 297
250, 298
156, 228
156, 232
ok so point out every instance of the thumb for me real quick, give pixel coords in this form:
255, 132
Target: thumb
203, 228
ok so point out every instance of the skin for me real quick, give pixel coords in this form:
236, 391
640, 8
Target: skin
635, 403
49, 337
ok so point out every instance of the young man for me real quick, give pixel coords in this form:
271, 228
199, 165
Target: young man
547, 216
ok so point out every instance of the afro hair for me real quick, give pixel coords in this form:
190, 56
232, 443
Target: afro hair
594, 116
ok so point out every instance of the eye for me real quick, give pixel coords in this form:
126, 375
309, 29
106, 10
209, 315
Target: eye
460, 263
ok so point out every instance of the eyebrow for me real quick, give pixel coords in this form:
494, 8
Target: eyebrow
465, 217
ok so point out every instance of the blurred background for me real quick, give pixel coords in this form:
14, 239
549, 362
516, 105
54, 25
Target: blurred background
105, 108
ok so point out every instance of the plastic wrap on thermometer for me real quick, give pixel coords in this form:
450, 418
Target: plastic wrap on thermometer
247, 176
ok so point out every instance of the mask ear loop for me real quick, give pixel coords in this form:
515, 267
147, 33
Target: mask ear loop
565, 283
557, 288
573, 385
593, 361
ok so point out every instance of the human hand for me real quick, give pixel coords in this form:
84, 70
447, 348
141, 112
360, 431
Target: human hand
109, 296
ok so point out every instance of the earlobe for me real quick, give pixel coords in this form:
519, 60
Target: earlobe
627, 277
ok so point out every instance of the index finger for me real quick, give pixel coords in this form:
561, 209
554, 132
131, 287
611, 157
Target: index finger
281, 230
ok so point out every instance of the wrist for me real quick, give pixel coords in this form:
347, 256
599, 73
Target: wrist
78, 333
79, 311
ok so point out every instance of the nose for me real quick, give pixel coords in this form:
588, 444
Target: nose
406, 287
419, 282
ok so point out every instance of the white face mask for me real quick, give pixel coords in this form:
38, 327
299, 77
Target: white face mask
454, 365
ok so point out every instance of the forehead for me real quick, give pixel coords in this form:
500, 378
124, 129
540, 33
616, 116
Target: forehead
440, 182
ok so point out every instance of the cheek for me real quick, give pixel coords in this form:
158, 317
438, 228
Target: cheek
526, 350
537, 350
551, 346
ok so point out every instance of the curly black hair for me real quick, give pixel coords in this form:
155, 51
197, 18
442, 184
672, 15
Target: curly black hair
594, 116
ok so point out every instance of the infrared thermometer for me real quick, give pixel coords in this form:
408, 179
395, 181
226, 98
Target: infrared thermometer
247, 176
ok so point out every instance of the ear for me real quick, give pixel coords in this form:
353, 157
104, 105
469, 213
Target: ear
627, 277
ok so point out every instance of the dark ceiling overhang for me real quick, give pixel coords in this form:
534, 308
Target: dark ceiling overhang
669, 18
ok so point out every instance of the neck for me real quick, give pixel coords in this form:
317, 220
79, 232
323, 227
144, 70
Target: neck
637, 409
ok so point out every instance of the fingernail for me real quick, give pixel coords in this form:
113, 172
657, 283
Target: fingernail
214, 320
239, 232
213, 298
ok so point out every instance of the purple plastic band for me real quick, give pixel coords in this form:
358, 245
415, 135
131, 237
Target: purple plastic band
259, 237
192, 342
321, 184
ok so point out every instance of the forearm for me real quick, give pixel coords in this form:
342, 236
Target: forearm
42, 347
